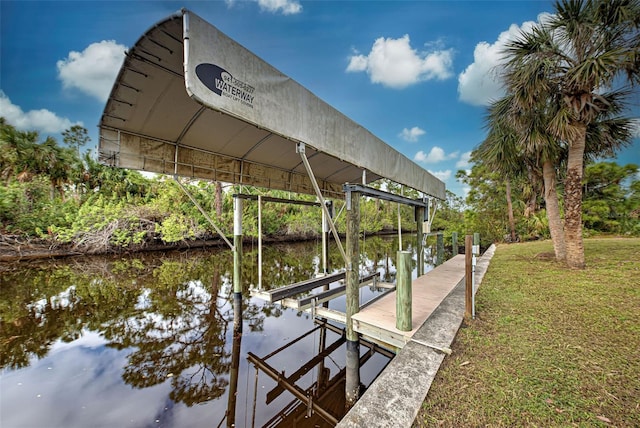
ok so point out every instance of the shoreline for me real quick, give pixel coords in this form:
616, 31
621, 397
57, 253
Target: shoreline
43, 250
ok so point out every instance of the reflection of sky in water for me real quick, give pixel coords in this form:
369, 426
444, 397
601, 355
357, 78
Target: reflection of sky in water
77, 385
80, 383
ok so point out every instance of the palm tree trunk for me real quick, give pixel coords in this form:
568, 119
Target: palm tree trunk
532, 200
553, 210
512, 222
573, 200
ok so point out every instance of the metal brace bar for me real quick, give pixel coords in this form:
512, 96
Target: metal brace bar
300, 148
203, 212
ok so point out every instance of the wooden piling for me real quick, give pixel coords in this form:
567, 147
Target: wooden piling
476, 254
352, 381
403, 291
454, 243
468, 277
353, 259
325, 240
237, 262
419, 247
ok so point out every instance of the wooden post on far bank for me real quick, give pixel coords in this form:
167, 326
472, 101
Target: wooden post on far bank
403, 291
468, 277
439, 248
454, 243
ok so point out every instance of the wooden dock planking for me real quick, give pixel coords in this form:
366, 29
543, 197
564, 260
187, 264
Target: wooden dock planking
378, 320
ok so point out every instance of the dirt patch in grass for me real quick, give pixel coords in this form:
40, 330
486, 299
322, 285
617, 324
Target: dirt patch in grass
550, 346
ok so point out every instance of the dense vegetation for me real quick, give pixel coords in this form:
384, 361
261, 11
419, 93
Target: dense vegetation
52, 195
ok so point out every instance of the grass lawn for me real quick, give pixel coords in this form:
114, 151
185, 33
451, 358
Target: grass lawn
549, 346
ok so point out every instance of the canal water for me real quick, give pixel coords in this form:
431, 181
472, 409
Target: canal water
147, 340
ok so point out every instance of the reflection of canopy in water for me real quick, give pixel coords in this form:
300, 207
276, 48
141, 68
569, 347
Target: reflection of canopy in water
239, 119
321, 402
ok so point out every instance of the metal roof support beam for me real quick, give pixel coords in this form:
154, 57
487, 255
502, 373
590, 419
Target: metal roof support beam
381, 194
300, 148
276, 200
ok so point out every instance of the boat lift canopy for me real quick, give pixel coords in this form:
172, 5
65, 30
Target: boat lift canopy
190, 101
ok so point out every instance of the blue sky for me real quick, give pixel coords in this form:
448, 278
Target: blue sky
418, 74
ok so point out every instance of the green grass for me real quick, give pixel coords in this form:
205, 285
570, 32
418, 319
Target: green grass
549, 346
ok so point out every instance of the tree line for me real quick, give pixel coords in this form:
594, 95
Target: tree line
52, 195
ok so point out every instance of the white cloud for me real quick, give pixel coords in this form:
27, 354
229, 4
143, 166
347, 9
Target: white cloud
394, 63
442, 175
287, 7
41, 120
479, 83
463, 162
412, 134
435, 155
93, 70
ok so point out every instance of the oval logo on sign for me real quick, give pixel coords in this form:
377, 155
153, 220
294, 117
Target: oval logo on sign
222, 83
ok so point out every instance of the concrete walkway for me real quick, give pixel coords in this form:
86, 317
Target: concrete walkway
395, 397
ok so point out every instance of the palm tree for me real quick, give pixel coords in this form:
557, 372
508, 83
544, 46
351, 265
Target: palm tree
9, 138
572, 60
543, 151
500, 153
518, 144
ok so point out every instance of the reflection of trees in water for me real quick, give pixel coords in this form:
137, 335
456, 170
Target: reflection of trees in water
171, 312
39, 306
183, 340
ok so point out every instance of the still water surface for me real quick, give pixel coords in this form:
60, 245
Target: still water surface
147, 340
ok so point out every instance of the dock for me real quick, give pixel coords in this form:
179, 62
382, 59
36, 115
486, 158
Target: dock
396, 396
377, 320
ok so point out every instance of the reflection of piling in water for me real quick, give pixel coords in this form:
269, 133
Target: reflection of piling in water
352, 386
235, 363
